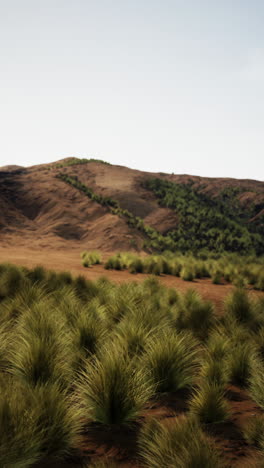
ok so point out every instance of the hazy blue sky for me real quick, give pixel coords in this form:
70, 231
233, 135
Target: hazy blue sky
167, 85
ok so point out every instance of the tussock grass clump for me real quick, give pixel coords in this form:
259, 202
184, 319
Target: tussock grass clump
35, 423
113, 263
11, 280
87, 334
192, 313
20, 439
218, 345
256, 384
91, 258
84, 289
172, 360
187, 274
58, 419
39, 354
258, 339
239, 306
112, 389
208, 404
178, 444
133, 336
241, 363
215, 371
136, 266
37, 274
253, 431
217, 278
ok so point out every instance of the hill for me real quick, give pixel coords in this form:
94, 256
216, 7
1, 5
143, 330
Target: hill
92, 204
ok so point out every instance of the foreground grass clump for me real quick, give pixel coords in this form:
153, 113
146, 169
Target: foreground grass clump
209, 404
35, 424
113, 390
254, 431
178, 444
20, 440
172, 360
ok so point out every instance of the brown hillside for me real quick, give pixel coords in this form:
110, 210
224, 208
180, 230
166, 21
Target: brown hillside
39, 210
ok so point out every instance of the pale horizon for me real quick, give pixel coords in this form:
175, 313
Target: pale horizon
167, 86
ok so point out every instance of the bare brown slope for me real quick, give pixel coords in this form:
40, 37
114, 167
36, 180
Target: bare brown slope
37, 209
40, 210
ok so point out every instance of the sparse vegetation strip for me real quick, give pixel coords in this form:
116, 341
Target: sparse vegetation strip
228, 268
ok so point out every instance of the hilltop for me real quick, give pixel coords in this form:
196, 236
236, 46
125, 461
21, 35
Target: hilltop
88, 204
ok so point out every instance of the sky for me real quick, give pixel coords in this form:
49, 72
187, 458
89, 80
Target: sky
157, 85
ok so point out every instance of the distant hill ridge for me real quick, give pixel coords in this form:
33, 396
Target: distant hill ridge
65, 204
